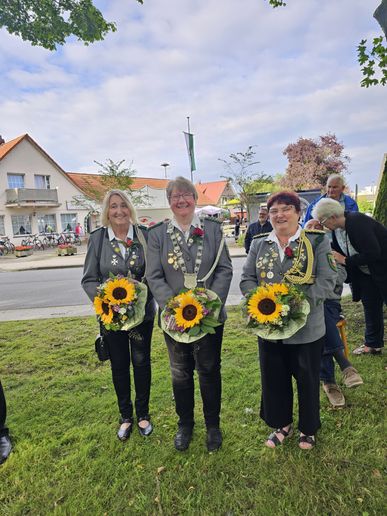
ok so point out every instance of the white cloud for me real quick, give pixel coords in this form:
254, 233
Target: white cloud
246, 75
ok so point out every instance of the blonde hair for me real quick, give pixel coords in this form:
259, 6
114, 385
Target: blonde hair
183, 185
106, 202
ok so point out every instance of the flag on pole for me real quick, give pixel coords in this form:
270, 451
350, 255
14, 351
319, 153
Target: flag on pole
190, 148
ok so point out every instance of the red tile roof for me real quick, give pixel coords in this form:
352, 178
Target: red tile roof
8, 146
93, 182
212, 190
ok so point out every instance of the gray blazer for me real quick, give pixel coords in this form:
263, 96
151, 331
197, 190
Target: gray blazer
324, 271
112, 261
165, 281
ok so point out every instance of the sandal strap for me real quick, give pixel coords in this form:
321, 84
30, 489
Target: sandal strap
273, 436
309, 439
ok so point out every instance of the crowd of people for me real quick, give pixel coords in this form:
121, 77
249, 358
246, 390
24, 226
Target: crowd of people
336, 244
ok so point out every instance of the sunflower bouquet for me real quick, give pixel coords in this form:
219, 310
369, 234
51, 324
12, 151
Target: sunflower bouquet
275, 311
120, 303
191, 315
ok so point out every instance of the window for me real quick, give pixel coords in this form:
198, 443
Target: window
15, 180
68, 221
2, 227
42, 182
47, 224
21, 224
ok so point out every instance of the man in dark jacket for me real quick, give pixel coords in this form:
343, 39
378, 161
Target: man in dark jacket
256, 228
5, 441
334, 190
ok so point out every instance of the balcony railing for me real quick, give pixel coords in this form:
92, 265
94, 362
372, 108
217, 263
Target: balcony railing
31, 197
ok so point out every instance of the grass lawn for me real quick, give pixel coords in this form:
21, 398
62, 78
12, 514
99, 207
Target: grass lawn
63, 418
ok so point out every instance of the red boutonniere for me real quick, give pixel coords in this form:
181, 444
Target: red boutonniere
289, 252
198, 232
129, 242
197, 235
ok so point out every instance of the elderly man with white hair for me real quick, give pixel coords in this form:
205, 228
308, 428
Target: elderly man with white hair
360, 243
334, 190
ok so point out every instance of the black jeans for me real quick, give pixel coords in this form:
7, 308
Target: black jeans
204, 356
125, 347
372, 300
279, 362
3, 413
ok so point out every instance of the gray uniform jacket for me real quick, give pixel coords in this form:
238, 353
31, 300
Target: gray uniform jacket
165, 281
324, 271
112, 261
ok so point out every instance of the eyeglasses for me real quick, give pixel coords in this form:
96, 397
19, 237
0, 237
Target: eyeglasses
275, 211
186, 196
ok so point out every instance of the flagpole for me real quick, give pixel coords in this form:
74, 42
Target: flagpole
190, 162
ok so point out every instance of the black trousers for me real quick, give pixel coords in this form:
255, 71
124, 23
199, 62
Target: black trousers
3, 413
204, 356
279, 363
127, 347
372, 300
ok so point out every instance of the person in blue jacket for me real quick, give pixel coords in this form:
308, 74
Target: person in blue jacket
334, 190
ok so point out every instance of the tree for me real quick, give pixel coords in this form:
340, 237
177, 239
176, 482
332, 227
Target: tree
112, 176
371, 59
380, 211
312, 161
48, 23
240, 173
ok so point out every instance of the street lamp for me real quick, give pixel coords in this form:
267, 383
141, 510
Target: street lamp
165, 165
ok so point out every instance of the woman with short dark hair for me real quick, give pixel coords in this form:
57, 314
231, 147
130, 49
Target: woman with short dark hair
291, 255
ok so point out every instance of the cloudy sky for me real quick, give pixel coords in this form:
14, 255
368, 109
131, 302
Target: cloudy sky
245, 74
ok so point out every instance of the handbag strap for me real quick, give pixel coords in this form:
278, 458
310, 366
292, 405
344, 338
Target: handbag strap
221, 245
142, 241
99, 252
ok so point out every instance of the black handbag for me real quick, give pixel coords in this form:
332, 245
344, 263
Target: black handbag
102, 348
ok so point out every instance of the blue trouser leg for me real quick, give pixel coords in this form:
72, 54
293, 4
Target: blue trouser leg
333, 341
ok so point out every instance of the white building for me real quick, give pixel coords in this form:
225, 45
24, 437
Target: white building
35, 192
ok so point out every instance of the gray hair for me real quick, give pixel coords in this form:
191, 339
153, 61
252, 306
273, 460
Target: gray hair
339, 177
183, 185
326, 208
106, 202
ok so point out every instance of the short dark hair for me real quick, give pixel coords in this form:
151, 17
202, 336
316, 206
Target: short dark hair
285, 197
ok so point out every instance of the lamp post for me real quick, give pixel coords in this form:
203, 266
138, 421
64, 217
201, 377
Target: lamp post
165, 165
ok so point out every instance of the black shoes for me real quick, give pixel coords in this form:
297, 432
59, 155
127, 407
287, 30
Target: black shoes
5, 448
214, 438
145, 432
124, 434
183, 438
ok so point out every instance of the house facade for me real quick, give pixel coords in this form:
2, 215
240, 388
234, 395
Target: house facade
36, 195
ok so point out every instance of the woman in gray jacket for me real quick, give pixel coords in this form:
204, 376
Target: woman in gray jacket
119, 248
271, 259
180, 251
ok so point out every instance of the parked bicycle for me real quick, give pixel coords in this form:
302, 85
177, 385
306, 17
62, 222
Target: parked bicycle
6, 246
33, 241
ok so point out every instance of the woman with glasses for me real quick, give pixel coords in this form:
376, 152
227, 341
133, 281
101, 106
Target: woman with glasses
360, 243
289, 254
181, 252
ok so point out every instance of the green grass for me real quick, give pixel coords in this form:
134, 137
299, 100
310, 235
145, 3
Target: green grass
67, 460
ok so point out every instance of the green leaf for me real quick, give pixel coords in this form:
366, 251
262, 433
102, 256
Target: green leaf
194, 331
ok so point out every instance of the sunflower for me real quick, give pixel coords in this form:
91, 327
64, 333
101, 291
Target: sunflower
190, 311
263, 306
103, 309
120, 291
279, 288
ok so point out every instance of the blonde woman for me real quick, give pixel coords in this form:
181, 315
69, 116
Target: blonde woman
119, 248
